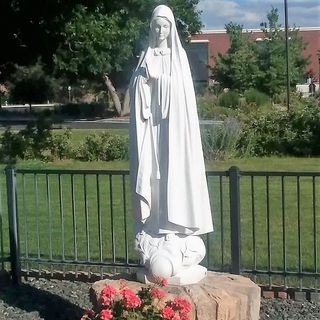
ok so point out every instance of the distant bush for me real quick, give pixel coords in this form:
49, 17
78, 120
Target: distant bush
33, 142
208, 108
31, 85
105, 147
294, 132
85, 110
60, 145
220, 141
254, 96
229, 99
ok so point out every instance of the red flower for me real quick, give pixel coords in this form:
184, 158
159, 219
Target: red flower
157, 293
122, 283
108, 291
106, 314
161, 281
184, 317
107, 294
183, 305
105, 301
167, 312
130, 299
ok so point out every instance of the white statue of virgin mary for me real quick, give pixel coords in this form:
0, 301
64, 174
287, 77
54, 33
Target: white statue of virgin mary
170, 195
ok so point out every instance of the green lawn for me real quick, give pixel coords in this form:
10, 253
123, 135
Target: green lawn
69, 228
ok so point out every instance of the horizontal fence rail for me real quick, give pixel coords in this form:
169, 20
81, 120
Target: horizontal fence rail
266, 223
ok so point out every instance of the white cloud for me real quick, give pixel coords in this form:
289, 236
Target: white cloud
217, 13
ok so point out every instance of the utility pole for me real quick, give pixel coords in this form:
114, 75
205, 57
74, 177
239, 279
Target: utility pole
287, 51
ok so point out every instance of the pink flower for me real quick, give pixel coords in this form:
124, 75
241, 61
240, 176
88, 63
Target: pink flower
157, 293
107, 294
183, 316
122, 283
162, 281
167, 312
176, 317
130, 299
106, 314
108, 291
105, 301
183, 305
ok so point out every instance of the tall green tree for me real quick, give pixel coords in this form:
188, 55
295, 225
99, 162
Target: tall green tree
272, 56
101, 42
261, 64
238, 69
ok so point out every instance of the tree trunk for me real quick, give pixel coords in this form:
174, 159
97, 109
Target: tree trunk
125, 106
114, 96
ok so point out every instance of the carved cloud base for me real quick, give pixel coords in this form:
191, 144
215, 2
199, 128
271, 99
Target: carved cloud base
191, 275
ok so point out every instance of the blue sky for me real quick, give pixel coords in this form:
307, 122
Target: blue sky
216, 13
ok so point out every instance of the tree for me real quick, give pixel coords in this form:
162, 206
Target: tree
238, 69
260, 64
31, 84
32, 30
272, 56
101, 42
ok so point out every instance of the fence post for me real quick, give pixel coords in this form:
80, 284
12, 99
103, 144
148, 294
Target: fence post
13, 225
234, 174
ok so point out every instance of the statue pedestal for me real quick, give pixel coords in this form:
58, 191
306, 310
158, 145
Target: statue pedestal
191, 275
220, 296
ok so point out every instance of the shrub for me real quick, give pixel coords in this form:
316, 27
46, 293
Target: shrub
85, 110
33, 142
296, 132
220, 141
60, 145
229, 99
103, 147
255, 96
208, 109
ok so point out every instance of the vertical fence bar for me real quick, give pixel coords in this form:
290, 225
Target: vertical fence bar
1, 229
25, 216
124, 200
36, 199
234, 175
284, 242
49, 214
112, 221
315, 228
269, 230
253, 215
222, 222
86, 215
299, 230
99, 219
74, 219
13, 225
61, 216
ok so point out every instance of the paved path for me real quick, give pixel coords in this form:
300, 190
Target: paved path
111, 123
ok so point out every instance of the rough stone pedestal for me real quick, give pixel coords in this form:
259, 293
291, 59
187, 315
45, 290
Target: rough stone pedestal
219, 296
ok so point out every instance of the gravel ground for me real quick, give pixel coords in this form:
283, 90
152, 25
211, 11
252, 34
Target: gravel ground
61, 300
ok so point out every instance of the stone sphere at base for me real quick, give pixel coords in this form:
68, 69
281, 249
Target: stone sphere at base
161, 266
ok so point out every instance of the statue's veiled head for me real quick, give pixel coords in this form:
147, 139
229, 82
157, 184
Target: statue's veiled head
161, 26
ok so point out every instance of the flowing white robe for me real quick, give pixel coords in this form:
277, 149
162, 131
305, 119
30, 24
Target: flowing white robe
170, 193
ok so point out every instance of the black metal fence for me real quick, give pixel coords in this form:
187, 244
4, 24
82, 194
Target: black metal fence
266, 223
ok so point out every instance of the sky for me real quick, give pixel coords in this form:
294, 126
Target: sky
250, 13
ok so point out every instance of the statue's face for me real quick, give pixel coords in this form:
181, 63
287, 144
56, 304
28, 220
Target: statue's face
161, 28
